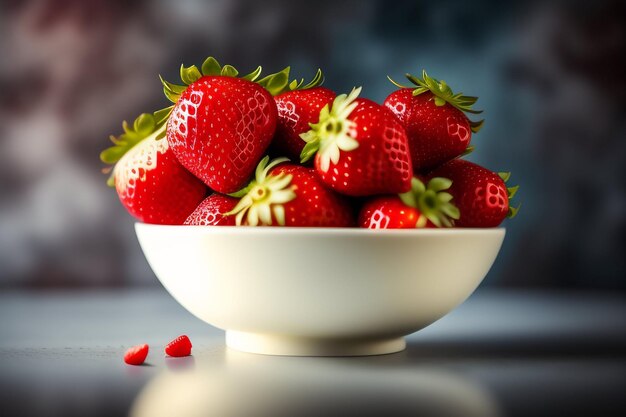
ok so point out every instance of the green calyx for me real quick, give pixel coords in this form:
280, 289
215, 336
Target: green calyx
146, 125
279, 83
262, 200
334, 132
274, 83
443, 94
511, 192
433, 202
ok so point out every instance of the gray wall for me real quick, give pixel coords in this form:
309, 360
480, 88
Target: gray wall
550, 77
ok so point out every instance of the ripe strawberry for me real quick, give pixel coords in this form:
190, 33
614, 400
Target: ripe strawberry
481, 195
298, 109
423, 206
150, 182
220, 125
290, 195
434, 119
179, 347
211, 211
136, 355
360, 148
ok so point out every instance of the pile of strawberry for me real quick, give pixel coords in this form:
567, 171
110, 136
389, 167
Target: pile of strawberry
245, 151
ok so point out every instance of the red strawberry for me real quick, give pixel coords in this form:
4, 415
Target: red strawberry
150, 182
296, 111
211, 211
290, 195
179, 347
136, 355
433, 117
481, 195
423, 206
220, 125
360, 148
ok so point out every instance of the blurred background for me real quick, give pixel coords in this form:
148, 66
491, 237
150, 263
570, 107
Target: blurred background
550, 76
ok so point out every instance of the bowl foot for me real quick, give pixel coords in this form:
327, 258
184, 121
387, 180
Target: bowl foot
294, 346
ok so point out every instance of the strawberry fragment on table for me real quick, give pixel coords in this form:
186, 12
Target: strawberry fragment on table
179, 347
253, 150
136, 355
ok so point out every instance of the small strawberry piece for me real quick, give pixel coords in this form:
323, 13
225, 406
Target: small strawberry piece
360, 148
296, 111
423, 206
136, 355
149, 180
179, 347
211, 211
480, 194
290, 195
433, 116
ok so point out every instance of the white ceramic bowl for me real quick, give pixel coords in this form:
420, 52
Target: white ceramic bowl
316, 291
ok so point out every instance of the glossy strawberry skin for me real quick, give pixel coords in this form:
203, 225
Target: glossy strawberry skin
220, 128
436, 133
179, 347
136, 355
211, 211
154, 187
480, 194
389, 212
381, 164
296, 109
314, 205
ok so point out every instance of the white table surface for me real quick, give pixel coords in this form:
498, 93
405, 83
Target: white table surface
502, 353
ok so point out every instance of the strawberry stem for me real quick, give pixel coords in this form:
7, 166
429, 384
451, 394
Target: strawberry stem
145, 126
262, 200
333, 133
433, 202
442, 94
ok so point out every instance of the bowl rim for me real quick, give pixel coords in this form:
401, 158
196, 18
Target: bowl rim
312, 231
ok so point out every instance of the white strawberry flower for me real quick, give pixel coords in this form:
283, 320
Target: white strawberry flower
264, 196
333, 133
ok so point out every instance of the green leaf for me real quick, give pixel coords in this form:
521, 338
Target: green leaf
173, 97
420, 90
511, 191
190, 74
229, 71
112, 155
210, 66
439, 184
443, 94
504, 175
451, 211
318, 79
409, 198
111, 179
476, 126
245, 190
175, 88
513, 211
309, 150
397, 84
162, 115
467, 151
276, 83
417, 186
144, 124
253, 75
